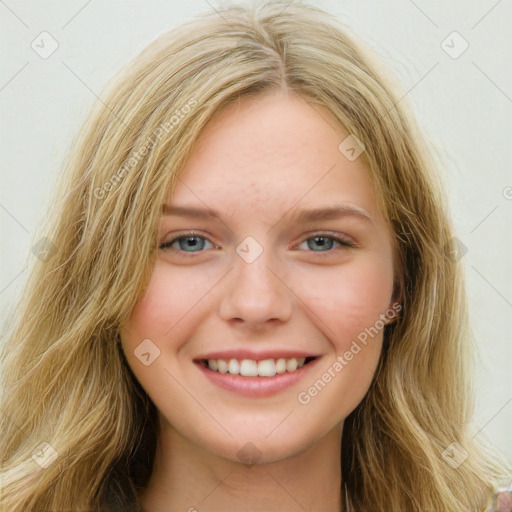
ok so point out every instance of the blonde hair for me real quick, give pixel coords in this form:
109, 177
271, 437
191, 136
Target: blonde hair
65, 380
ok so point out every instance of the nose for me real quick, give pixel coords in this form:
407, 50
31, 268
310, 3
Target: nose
256, 296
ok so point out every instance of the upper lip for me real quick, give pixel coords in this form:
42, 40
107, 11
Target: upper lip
256, 356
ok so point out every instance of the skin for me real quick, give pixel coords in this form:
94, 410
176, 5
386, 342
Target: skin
258, 163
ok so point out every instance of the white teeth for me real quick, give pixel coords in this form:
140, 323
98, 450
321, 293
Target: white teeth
222, 366
266, 368
281, 365
252, 368
234, 366
248, 368
291, 365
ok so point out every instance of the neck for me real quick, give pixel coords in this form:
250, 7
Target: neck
186, 477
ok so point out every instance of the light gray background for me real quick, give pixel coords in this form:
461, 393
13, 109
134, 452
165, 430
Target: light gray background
463, 104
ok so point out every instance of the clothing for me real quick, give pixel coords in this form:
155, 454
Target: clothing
502, 500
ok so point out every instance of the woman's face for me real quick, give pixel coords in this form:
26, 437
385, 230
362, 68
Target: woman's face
273, 254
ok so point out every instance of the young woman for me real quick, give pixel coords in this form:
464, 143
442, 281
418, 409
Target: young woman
249, 298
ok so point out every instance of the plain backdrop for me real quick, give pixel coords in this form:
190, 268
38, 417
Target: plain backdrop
462, 98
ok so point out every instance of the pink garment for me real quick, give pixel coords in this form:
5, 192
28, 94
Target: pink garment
502, 500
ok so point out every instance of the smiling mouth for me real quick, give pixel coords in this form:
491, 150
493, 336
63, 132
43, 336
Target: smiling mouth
253, 368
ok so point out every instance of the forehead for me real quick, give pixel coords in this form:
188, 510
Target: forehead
267, 153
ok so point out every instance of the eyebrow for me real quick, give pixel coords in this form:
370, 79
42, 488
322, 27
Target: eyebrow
329, 212
181, 211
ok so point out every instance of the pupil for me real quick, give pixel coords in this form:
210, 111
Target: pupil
191, 242
321, 242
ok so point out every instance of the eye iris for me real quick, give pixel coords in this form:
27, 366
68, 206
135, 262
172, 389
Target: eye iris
322, 243
191, 242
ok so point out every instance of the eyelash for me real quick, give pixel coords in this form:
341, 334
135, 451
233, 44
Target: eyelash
344, 242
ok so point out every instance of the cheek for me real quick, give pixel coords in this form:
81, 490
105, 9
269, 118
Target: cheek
348, 300
168, 300
171, 305
346, 304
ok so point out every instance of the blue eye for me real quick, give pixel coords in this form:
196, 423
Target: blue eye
323, 243
191, 243
187, 243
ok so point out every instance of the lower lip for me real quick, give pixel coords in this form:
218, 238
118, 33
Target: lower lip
256, 387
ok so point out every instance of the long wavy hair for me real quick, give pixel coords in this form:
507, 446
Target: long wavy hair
65, 380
